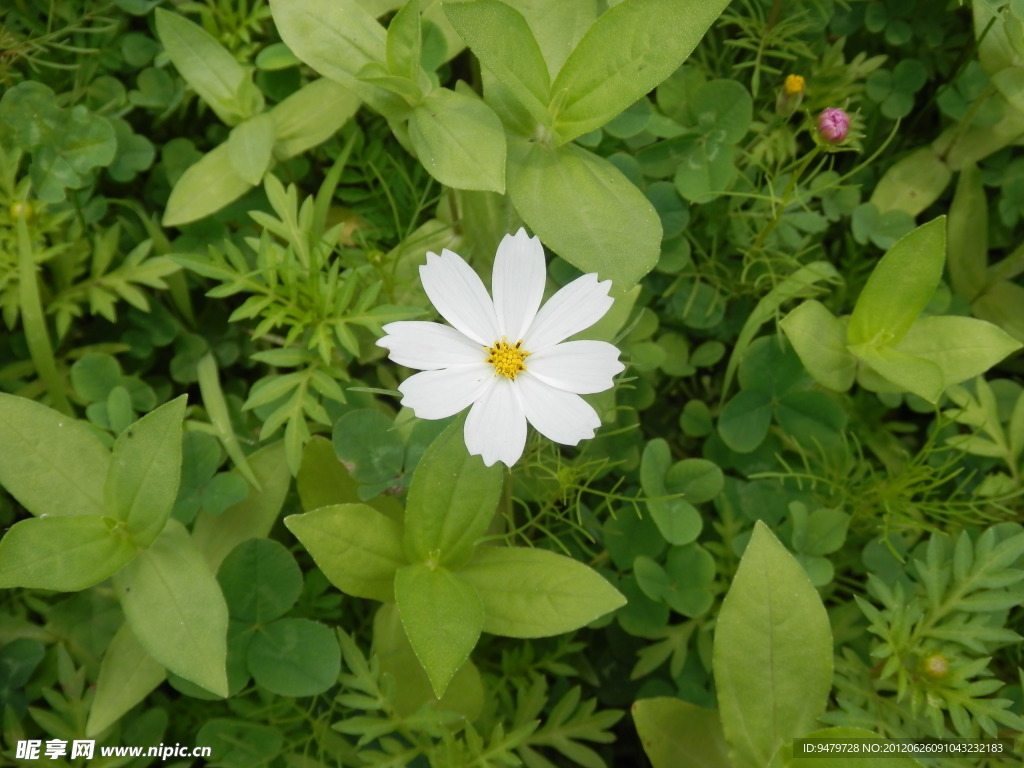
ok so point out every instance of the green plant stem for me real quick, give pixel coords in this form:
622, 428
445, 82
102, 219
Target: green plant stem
34, 322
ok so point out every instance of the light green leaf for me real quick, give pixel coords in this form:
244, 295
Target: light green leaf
819, 338
176, 609
900, 286
452, 500
63, 553
772, 654
502, 40
536, 593
404, 42
629, 50
145, 471
250, 147
677, 734
585, 210
51, 463
912, 183
310, 116
962, 347
127, 675
967, 230
358, 549
911, 374
205, 65
459, 140
204, 188
442, 617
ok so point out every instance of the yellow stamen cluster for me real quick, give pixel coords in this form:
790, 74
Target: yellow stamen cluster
507, 359
793, 85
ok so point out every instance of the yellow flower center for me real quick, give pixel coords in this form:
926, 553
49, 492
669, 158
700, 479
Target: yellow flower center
794, 85
507, 359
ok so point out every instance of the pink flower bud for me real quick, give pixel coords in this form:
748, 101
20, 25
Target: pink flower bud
833, 125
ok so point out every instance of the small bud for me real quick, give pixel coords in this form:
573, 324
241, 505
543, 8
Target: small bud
21, 210
935, 666
790, 96
833, 125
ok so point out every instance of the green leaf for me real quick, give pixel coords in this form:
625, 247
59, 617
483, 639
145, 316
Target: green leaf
358, 549
204, 188
699, 480
501, 38
452, 500
404, 42
310, 116
127, 675
442, 617
772, 654
261, 581
807, 759
706, 169
585, 210
677, 734
624, 55
912, 374
691, 573
52, 464
962, 347
63, 553
819, 338
176, 609
250, 146
967, 230
295, 657
912, 183
145, 471
459, 140
744, 421
207, 66
723, 110
536, 593
900, 286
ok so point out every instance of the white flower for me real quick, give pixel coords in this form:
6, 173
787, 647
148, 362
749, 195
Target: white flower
506, 359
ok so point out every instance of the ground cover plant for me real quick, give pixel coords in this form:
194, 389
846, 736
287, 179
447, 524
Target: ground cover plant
510, 382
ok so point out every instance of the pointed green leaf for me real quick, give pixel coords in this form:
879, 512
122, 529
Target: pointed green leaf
250, 147
51, 463
911, 374
459, 140
967, 230
536, 593
586, 210
772, 654
145, 471
127, 675
819, 338
962, 347
64, 553
204, 188
358, 549
404, 42
176, 609
900, 286
452, 500
310, 116
677, 734
442, 617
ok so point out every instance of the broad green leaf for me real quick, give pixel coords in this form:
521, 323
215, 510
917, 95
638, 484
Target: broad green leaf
813, 418
127, 675
63, 553
452, 500
217, 535
205, 65
962, 347
706, 169
404, 42
501, 38
459, 140
629, 50
145, 471
585, 210
677, 734
744, 421
691, 571
310, 116
250, 148
900, 286
322, 478
261, 581
819, 338
358, 549
176, 609
52, 464
967, 232
912, 183
295, 657
699, 480
911, 374
722, 110
204, 188
1000, 304
772, 655
536, 593
442, 617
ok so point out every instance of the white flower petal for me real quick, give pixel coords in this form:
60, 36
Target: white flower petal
517, 283
440, 394
578, 305
459, 295
429, 346
496, 426
582, 367
560, 416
